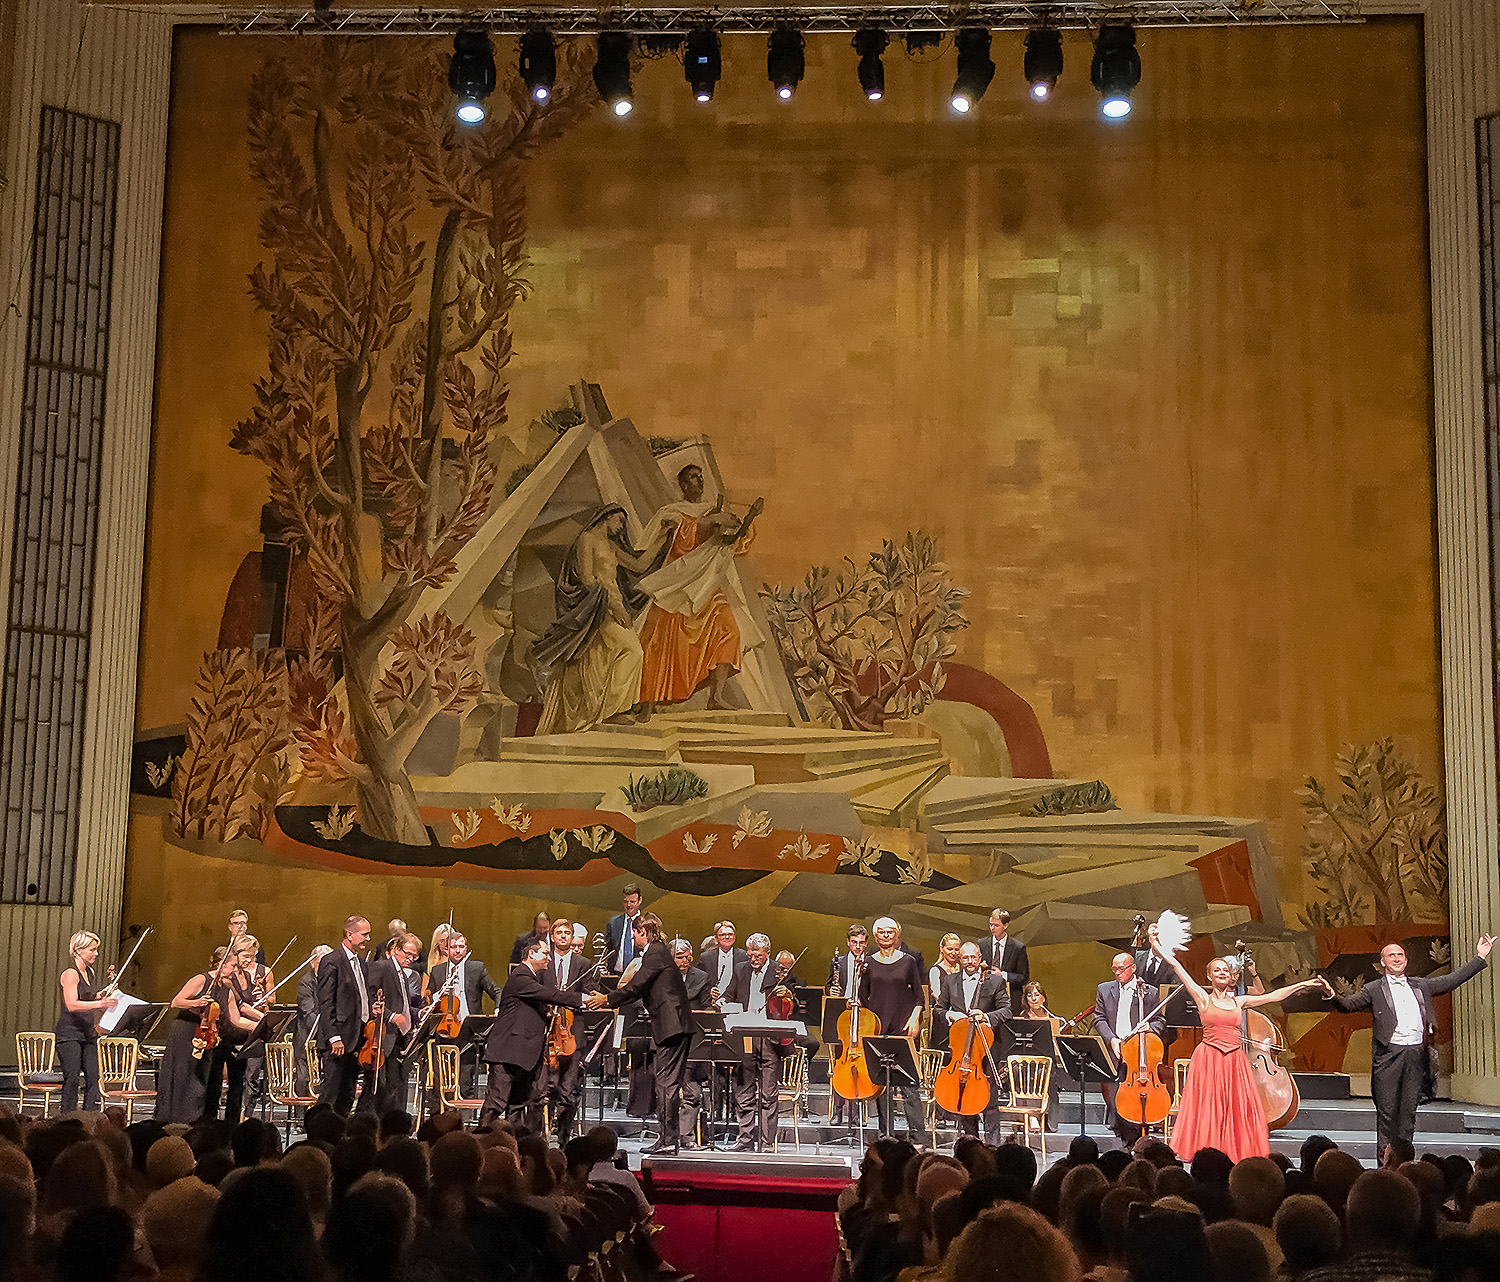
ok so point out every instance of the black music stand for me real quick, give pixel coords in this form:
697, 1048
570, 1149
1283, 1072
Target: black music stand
1083, 1053
1025, 1037
708, 1047
598, 1025
138, 1018
272, 1027
892, 1056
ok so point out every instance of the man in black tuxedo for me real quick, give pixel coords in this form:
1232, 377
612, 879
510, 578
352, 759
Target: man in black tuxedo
843, 973
721, 961
758, 1085
1006, 957
974, 992
541, 928
518, 1037
619, 932
558, 1087
390, 978
1401, 1009
698, 1075
661, 986
307, 1018
345, 1005
1119, 1005
473, 980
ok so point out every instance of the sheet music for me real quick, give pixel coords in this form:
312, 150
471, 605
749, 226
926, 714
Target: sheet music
111, 1018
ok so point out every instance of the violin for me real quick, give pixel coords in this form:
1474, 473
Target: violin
780, 1004
372, 1049
962, 1086
206, 1038
850, 1075
1262, 1040
561, 1040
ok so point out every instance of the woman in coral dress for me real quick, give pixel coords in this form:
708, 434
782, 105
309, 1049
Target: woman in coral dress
1220, 1107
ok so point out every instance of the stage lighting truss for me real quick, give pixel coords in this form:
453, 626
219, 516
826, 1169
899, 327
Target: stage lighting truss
575, 20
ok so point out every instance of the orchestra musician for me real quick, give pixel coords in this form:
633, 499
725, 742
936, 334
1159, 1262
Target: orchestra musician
307, 1018
241, 986
758, 1082
559, 1087
345, 1005
74, 1034
518, 1037
541, 928
619, 932
1035, 997
179, 1079
1006, 956
947, 962
660, 985
975, 992
893, 988
699, 1075
473, 981
390, 981
840, 983
1120, 1005
722, 960
239, 924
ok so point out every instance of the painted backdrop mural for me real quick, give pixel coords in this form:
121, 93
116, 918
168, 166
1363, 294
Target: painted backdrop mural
805, 539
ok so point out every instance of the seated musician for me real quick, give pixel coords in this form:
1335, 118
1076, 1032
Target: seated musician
758, 1091
699, 1073
975, 993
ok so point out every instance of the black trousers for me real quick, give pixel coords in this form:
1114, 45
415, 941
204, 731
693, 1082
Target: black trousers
757, 1093
341, 1074
78, 1059
391, 1086
696, 1088
507, 1092
669, 1068
559, 1088
1128, 1132
1396, 1077
224, 1066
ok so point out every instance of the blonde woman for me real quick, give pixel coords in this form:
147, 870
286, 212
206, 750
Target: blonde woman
437, 952
77, 1038
239, 1017
947, 962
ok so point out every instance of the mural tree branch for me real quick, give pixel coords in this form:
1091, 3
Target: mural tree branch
374, 415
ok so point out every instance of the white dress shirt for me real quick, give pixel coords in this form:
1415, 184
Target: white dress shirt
1124, 1016
627, 953
359, 982
969, 990
562, 969
726, 969
1409, 1029
463, 996
758, 978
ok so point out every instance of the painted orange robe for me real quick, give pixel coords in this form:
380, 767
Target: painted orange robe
681, 650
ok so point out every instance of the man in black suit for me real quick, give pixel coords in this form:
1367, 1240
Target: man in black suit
843, 972
700, 1074
1119, 1006
518, 1037
1006, 957
1401, 1009
307, 1018
619, 933
473, 980
974, 993
721, 961
758, 1085
390, 979
558, 1087
660, 985
345, 1005
541, 928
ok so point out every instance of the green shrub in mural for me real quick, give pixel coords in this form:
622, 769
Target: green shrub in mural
386, 373
867, 642
671, 787
1378, 849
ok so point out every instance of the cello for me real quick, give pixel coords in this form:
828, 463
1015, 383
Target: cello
850, 1075
1141, 1098
1262, 1040
962, 1086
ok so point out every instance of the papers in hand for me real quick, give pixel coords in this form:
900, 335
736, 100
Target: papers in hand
111, 1018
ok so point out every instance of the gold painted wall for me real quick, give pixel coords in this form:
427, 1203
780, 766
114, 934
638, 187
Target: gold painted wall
1161, 387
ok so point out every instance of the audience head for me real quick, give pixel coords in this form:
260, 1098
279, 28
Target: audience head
371, 1230
1016, 1162
1012, 1243
1257, 1188
1313, 1147
1308, 1233
96, 1246
405, 1159
170, 1159
1114, 1162
1083, 1148
1211, 1166
395, 1125
1383, 1213
310, 1166
1238, 1255
1166, 1243
1334, 1176
82, 1177
269, 1202
175, 1220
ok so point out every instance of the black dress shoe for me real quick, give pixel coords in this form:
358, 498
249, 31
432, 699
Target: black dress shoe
662, 1146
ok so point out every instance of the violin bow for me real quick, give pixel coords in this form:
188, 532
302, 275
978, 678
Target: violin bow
281, 954
120, 970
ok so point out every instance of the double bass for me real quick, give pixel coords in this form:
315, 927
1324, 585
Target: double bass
1262, 1039
850, 1075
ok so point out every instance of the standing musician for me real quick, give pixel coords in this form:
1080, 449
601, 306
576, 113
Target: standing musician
619, 932
722, 960
74, 1035
239, 924
1402, 1013
699, 1075
1119, 1006
179, 1078
518, 1037
977, 993
1005, 956
395, 928
558, 1085
345, 1005
893, 989
946, 964
237, 992
842, 971
758, 1086
307, 1018
541, 928
473, 980
660, 985
390, 981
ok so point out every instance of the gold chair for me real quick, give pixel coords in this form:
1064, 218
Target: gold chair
1030, 1080
118, 1060
929, 1064
448, 1096
1179, 1080
279, 1083
36, 1055
793, 1091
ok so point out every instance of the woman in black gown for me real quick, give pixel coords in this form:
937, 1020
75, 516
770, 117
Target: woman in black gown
180, 1081
238, 1019
892, 988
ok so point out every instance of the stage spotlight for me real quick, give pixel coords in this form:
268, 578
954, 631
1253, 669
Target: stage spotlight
700, 63
538, 64
975, 68
784, 61
869, 44
612, 71
1116, 69
471, 74
1044, 61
